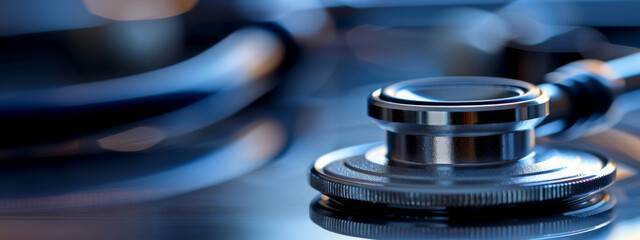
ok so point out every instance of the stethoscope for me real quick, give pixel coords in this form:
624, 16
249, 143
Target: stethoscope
469, 142
192, 129
170, 102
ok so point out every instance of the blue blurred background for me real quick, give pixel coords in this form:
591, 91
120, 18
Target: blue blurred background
140, 119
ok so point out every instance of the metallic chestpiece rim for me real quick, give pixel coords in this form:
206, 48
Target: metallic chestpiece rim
459, 120
459, 142
390, 104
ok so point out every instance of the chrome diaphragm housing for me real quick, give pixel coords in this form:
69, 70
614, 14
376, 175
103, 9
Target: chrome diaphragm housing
459, 142
459, 120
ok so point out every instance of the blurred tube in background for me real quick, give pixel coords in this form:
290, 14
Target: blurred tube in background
248, 148
235, 60
228, 77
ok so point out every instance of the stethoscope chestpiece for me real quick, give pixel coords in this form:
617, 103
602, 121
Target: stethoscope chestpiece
458, 120
459, 142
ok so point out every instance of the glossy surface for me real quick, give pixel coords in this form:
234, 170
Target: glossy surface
458, 93
364, 173
493, 124
521, 102
561, 220
486, 149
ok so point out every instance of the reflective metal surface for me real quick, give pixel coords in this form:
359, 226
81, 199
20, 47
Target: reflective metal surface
436, 120
364, 173
576, 219
451, 149
429, 149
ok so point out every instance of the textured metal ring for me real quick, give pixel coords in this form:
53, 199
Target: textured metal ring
363, 173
